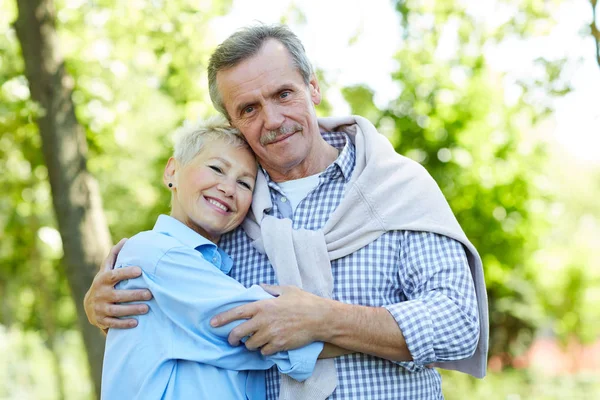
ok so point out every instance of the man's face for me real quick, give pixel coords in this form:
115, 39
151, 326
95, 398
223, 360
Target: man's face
213, 192
268, 101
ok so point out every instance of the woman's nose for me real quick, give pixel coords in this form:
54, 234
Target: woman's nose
227, 186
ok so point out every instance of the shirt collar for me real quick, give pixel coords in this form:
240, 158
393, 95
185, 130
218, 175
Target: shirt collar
211, 252
345, 161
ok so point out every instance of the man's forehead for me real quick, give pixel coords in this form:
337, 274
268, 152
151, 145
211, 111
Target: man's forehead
272, 52
247, 81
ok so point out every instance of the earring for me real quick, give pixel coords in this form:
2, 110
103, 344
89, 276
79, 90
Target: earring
170, 185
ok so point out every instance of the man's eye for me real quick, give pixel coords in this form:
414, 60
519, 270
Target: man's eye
248, 110
216, 169
284, 94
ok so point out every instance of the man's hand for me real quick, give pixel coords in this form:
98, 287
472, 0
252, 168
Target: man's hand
291, 320
102, 300
297, 318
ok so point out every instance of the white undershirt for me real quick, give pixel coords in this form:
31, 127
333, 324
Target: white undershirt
296, 190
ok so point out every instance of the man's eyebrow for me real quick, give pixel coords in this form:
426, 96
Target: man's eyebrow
281, 88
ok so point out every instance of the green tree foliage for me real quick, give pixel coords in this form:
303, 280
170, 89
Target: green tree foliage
455, 117
568, 256
29, 246
33, 291
138, 70
130, 92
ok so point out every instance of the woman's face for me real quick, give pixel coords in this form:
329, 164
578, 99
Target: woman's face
212, 193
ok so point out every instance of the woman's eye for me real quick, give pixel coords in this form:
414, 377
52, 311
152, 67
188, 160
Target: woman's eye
216, 169
245, 185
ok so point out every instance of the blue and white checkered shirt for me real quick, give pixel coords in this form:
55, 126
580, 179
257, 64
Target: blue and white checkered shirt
422, 278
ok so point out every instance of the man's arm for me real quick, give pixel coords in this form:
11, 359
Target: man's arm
438, 322
333, 351
102, 301
297, 317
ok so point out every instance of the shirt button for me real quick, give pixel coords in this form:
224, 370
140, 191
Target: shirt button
283, 199
214, 259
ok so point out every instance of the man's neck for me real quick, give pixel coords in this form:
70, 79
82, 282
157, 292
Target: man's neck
318, 161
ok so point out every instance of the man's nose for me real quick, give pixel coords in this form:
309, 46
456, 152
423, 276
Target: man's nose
273, 117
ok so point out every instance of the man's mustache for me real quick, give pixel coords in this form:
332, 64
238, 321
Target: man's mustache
271, 136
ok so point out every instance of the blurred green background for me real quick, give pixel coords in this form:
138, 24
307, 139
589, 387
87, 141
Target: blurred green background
498, 99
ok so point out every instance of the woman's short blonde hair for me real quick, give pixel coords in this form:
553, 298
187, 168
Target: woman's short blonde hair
190, 138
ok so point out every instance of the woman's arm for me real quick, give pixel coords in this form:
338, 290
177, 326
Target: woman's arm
187, 292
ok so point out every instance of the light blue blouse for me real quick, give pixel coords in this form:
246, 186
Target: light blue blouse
174, 353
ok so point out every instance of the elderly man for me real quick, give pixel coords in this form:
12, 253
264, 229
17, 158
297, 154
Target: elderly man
384, 269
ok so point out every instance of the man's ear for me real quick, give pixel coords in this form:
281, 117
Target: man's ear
315, 90
169, 174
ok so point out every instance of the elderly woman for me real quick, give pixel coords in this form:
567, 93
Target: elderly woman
174, 353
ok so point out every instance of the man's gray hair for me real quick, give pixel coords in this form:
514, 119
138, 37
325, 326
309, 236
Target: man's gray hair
246, 43
189, 139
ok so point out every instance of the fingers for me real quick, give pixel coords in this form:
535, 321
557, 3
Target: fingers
242, 312
127, 296
105, 308
114, 276
247, 329
273, 290
99, 302
110, 260
257, 343
268, 349
267, 341
118, 323
121, 310
103, 313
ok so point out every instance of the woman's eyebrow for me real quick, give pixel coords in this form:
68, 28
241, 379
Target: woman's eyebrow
249, 175
224, 161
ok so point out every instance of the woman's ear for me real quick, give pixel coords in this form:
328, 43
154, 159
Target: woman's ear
169, 174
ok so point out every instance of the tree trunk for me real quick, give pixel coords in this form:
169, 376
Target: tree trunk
75, 193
